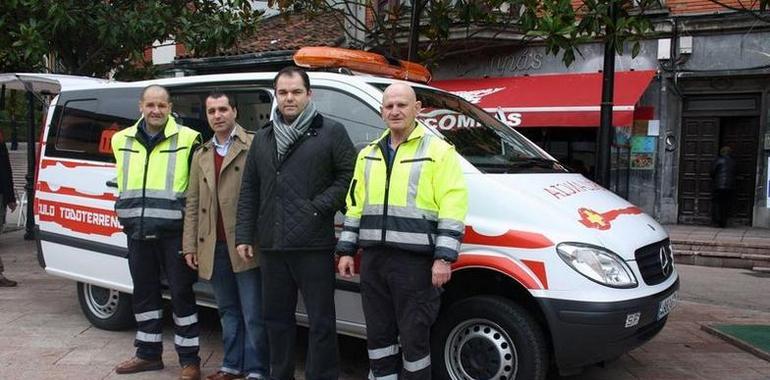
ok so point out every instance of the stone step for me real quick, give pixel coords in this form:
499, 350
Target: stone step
721, 259
757, 246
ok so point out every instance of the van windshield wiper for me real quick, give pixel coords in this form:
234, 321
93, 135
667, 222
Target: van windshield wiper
535, 162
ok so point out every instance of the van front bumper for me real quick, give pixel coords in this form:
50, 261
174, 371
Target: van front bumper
585, 333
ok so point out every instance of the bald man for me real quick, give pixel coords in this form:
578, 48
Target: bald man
152, 160
406, 208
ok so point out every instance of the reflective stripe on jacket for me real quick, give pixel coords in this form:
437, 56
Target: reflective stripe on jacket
152, 184
418, 204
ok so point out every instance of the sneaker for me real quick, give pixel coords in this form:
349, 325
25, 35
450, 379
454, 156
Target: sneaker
135, 365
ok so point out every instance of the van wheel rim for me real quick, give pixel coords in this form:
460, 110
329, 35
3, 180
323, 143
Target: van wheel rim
480, 349
102, 303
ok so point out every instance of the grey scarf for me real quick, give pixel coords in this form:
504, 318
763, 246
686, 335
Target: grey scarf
287, 135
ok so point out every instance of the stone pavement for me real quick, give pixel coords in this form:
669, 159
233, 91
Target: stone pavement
43, 335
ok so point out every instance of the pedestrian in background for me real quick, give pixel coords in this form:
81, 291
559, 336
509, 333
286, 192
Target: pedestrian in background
7, 200
152, 161
297, 173
406, 208
212, 199
723, 180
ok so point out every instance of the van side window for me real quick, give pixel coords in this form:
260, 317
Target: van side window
84, 131
190, 108
361, 121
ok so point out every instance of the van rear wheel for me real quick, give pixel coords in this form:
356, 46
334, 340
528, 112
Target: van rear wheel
106, 309
488, 338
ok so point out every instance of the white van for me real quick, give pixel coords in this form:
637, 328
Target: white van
554, 269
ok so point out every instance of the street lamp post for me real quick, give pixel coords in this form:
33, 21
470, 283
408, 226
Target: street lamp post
29, 234
605, 123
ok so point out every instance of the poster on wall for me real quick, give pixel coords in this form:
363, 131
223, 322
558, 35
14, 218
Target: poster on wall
642, 155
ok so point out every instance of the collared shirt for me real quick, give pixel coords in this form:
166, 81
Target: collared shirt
224, 147
391, 153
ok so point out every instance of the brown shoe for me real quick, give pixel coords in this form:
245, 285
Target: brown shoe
135, 365
223, 376
190, 372
6, 283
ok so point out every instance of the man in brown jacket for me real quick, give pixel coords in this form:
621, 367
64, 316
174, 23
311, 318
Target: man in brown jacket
209, 242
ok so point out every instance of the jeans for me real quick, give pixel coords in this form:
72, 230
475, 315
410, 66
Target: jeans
239, 299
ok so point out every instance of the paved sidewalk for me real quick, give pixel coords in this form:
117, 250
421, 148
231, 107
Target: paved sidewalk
43, 335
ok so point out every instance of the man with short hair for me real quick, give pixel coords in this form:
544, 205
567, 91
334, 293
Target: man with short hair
212, 198
152, 161
406, 208
297, 172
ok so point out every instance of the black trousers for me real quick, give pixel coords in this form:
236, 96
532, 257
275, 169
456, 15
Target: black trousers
721, 206
148, 260
400, 305
312, 273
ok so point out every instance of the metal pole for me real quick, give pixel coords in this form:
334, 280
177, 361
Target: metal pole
29, 234
605, 123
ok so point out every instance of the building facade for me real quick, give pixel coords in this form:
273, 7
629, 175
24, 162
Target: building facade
710, 88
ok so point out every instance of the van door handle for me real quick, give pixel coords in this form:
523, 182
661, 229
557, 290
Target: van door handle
112, 183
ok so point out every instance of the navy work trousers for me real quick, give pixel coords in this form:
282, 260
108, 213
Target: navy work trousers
400, 305
148, 261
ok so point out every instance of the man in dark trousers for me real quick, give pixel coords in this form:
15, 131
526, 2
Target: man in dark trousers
406, 208
152, 159
7, 199
723, 177
296, 176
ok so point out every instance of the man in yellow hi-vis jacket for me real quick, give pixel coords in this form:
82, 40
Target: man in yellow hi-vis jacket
406, 209
152, 159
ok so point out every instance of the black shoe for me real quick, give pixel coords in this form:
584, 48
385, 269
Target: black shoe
6, 283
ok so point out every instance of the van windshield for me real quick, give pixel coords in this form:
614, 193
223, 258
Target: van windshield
490, 145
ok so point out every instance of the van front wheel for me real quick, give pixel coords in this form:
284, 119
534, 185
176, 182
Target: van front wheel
106, 309
488, 337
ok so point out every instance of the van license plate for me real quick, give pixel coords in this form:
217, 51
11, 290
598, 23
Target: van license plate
667, 305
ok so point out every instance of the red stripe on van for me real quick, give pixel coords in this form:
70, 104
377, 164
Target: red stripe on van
44, 187
512, 239
500, 264
538, 268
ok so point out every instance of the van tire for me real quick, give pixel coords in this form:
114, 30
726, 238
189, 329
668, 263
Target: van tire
512, 340
107, 309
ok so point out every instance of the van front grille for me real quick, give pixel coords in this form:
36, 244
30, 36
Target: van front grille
655, 261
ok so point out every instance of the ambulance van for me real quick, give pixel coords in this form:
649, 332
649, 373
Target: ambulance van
555, 272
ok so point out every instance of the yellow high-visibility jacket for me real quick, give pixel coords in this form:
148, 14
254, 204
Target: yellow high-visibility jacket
417, 204
152, 180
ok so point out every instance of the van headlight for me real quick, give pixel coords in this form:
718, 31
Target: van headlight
598, 264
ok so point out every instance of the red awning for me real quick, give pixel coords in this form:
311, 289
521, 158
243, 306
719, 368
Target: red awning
554, 100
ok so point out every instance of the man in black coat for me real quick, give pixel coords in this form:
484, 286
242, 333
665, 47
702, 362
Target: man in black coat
7, 199
723, 179
296, 176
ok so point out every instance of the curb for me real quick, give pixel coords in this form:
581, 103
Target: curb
736, 342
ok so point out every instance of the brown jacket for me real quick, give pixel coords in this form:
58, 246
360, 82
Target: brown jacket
200, 221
